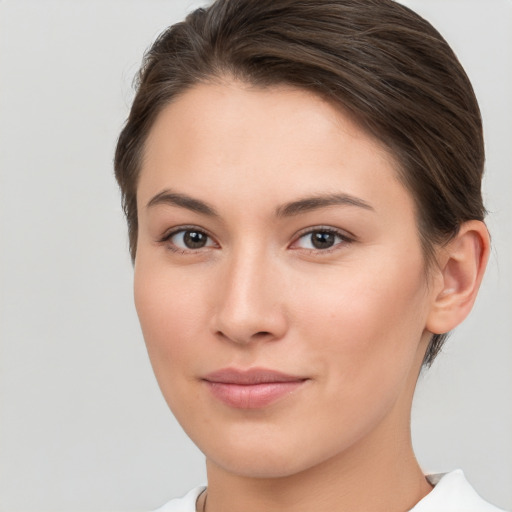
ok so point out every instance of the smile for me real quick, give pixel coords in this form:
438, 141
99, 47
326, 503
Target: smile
251, 389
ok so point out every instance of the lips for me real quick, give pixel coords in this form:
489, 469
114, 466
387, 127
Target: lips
251, 389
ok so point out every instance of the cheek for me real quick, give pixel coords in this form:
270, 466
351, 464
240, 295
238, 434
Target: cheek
167, 304
363, 332
367, 322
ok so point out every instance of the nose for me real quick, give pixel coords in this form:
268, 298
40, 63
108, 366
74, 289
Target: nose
249, 301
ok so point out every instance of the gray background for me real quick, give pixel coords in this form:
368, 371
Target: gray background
82, 425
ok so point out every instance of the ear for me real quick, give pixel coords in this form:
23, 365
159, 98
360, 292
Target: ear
462, 265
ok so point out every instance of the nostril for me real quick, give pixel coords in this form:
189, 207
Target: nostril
261, 334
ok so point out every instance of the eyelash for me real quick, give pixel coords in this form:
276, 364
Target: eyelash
345, 239
182, 229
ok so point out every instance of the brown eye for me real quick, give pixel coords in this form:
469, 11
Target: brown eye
190, 239
194, 239
321, 239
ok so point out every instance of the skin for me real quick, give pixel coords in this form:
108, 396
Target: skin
353, 319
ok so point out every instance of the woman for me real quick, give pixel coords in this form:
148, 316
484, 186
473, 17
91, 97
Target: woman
302, 187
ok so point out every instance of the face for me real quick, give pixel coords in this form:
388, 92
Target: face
279, 278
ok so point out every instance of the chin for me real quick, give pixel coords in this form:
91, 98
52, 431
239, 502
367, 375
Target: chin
264, 465
277, 458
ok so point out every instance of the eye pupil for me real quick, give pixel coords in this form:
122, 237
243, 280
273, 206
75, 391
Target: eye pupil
322, 239
194, 239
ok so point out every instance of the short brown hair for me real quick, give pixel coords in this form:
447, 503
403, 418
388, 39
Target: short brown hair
384, 63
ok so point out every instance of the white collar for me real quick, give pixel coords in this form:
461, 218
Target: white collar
452, 493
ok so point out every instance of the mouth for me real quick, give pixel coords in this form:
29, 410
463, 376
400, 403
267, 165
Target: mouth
251, 389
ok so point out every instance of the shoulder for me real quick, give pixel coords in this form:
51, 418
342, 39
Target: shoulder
185, 504
453, 493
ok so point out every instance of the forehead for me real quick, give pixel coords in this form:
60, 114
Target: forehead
242, 110
267, 142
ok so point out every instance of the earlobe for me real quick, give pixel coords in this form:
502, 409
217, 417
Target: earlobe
462, 265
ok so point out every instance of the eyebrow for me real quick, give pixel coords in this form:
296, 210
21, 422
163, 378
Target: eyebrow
320, 201
290, 209
183, 201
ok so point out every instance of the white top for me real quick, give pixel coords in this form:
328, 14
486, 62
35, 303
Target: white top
452, 493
